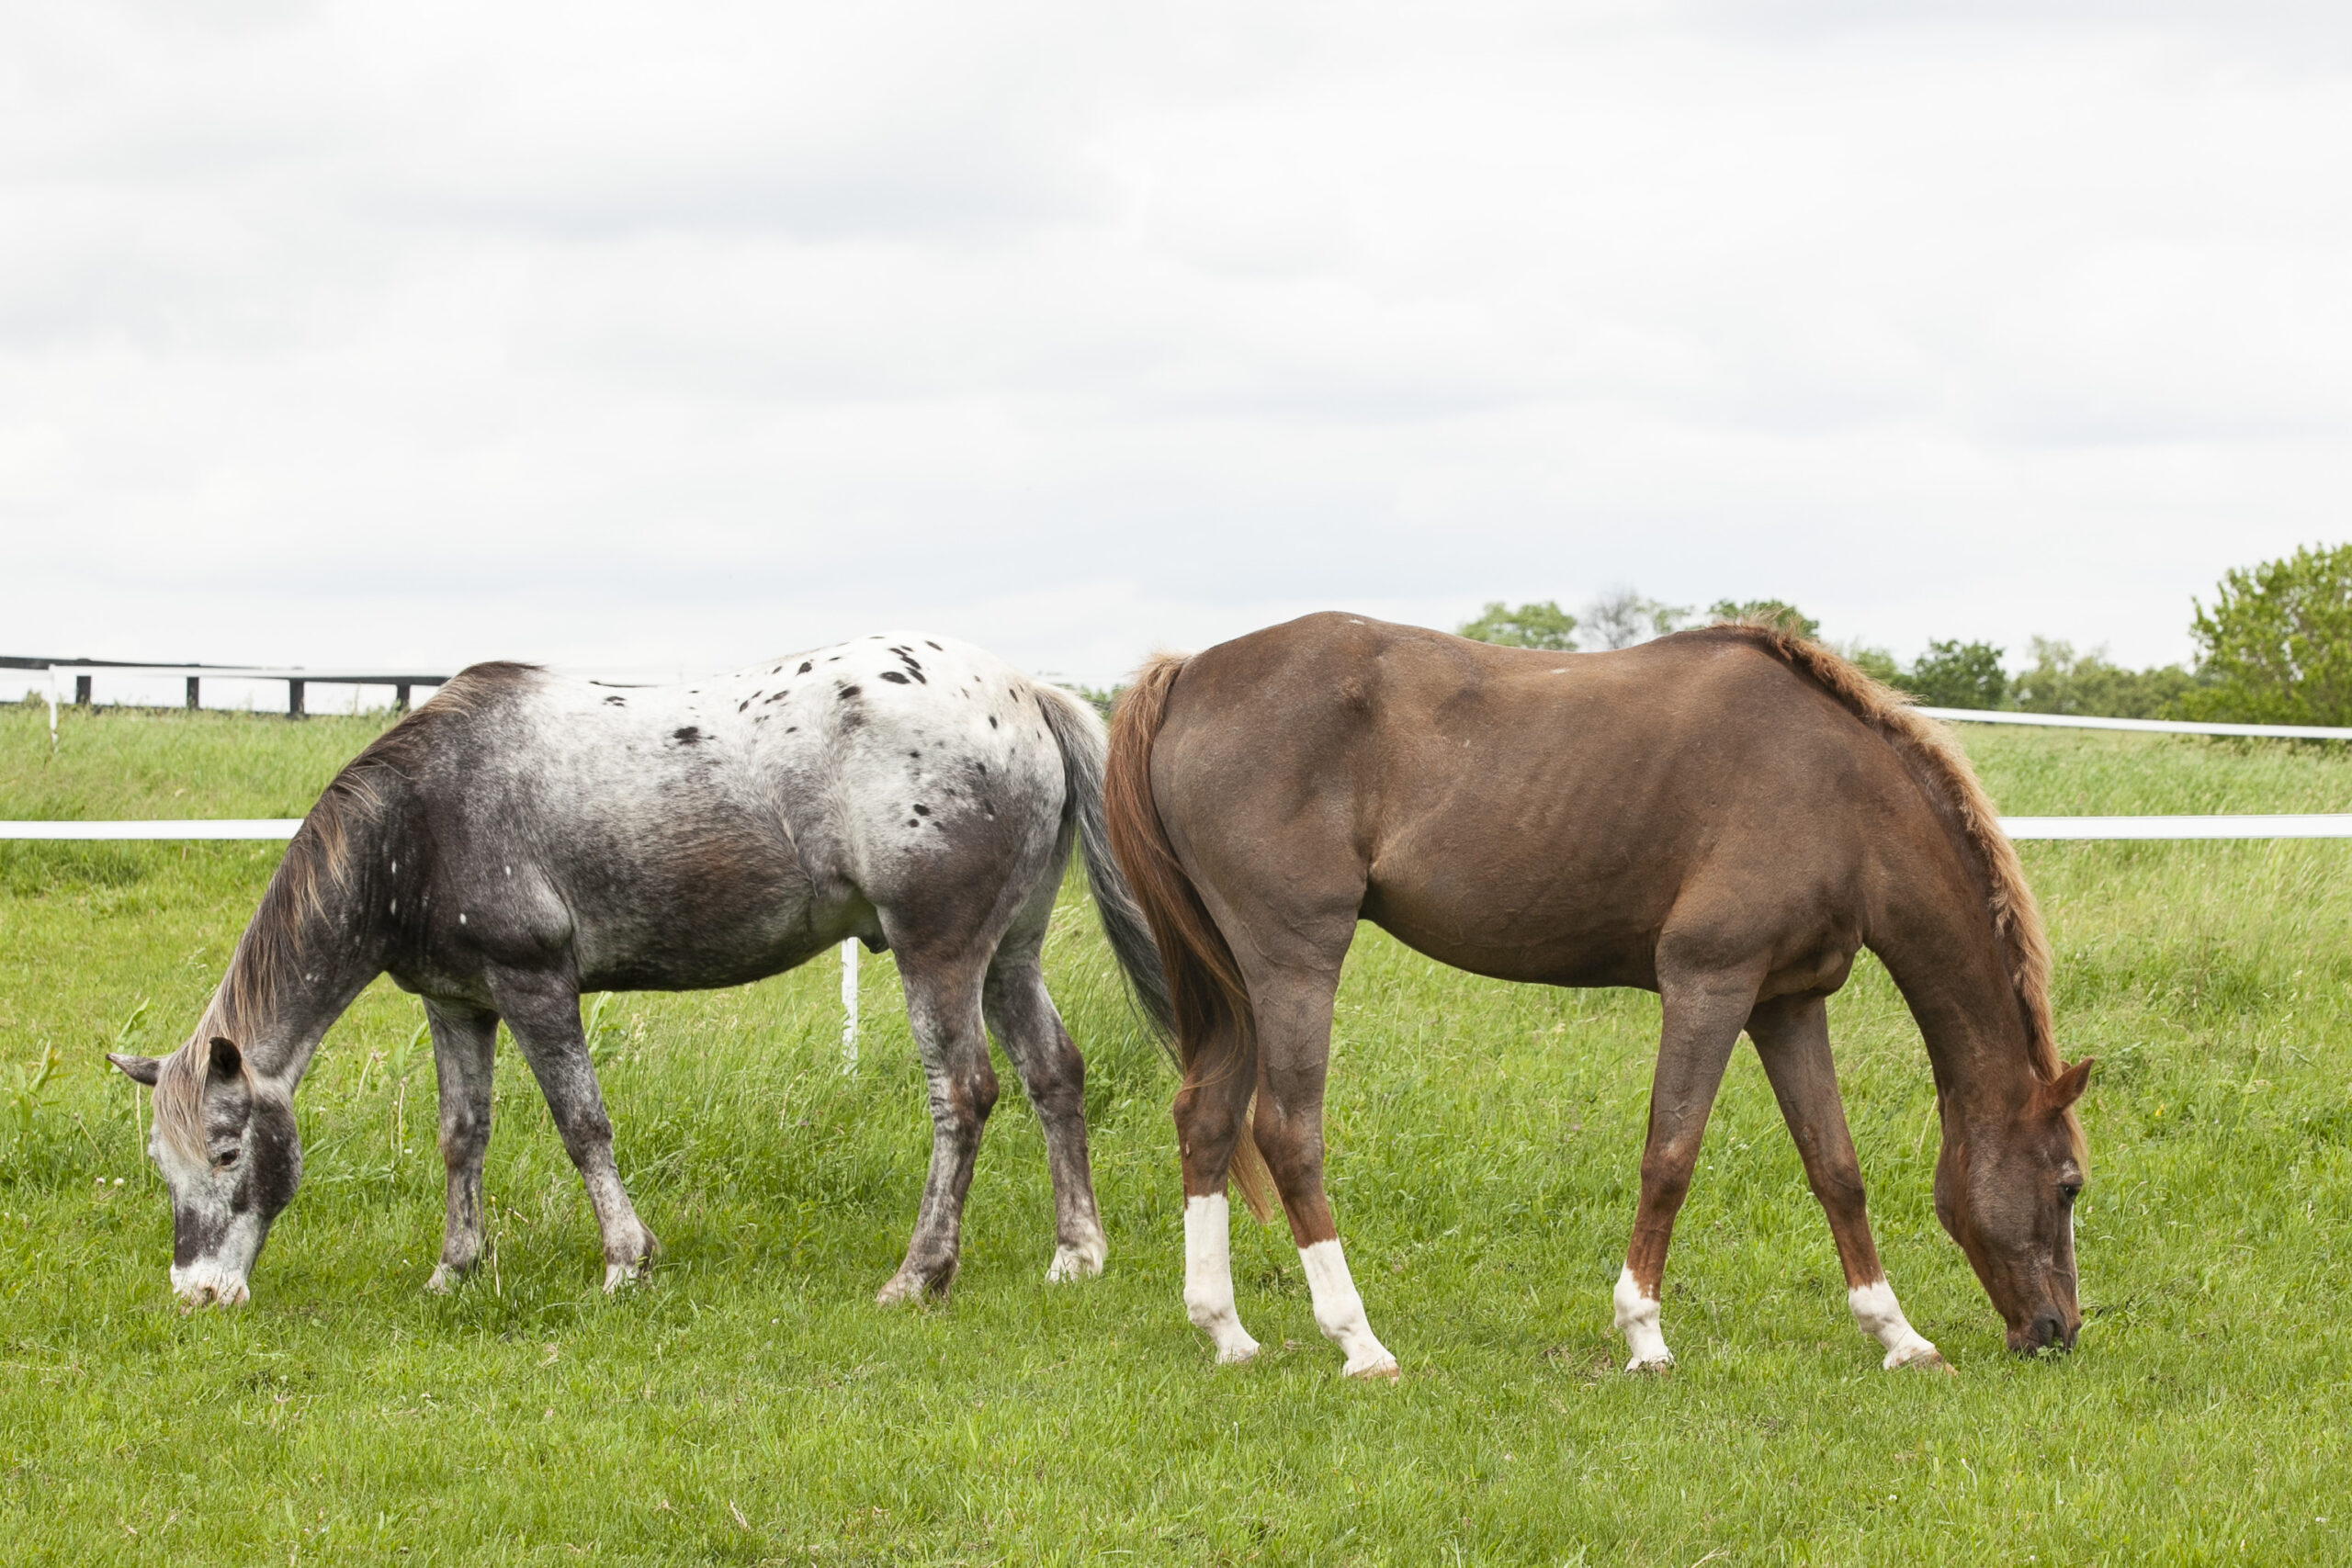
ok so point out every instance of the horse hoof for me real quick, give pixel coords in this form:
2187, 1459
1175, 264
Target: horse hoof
1239, 1353
1075, 1263
906, 1287
618, 1275
1661, 1362
1381, 1370
445, 1280
1925, 1357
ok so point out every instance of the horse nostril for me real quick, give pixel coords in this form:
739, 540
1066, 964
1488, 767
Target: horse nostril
2049, 1328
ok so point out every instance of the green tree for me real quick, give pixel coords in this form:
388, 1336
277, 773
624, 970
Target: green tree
1621, 617
1531, 626
1770, 612
1874, 662
2276, 647
1958, 675
2062, 681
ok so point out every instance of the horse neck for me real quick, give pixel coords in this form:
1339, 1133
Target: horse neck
1948, 960
305, 956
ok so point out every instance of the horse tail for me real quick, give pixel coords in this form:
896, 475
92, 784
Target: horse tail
1084, 749
1206, 994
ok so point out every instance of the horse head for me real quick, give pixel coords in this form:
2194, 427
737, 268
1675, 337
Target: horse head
226, 1144
2006, 1188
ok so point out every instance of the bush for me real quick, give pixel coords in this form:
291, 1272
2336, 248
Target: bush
2276, 647
1771, 612
2063, 681
1958, 675
1543, 625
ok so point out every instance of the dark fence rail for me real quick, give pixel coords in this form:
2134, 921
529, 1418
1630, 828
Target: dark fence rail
85, 673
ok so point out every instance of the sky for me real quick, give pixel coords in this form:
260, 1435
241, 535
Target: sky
682, 335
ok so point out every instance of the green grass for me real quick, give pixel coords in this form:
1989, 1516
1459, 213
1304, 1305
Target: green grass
750, 1405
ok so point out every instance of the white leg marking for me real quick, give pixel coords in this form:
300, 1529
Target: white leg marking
1209, 1277
1339, 1312
1637, 1321
1879, 1315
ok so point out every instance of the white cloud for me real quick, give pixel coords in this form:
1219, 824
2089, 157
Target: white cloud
688, 335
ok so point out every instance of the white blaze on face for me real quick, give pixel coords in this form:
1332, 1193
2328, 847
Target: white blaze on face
1209, 1277
1880, 1316
1339, 1312
1637, 1321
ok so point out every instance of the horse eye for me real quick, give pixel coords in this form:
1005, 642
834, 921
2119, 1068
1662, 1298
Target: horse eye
228, 1157
2069, 1190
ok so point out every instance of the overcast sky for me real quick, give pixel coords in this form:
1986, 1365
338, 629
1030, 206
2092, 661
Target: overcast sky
681, 335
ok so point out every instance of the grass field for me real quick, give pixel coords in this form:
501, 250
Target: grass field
750, 1405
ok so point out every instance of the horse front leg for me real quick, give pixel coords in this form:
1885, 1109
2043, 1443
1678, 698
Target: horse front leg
1791, 1036
544, 1016
1703, 1015
943, 1008
464, 1040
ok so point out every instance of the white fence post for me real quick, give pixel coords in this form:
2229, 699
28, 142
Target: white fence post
849, 1006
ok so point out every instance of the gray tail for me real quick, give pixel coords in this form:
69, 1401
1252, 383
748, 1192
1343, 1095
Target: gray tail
1084, 750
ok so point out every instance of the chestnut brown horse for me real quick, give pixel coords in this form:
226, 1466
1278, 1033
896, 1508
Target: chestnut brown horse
1724, 817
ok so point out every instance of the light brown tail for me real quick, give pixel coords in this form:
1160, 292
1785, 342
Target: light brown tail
1207, 999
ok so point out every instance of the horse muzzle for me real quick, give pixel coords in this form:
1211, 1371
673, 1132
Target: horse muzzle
2048, 1330
204, 1283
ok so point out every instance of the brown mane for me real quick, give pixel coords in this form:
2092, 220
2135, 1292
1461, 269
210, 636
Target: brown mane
271, 952
1936, 760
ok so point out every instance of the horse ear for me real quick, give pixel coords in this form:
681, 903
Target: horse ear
138, 1070
227, 1061
2069, 1086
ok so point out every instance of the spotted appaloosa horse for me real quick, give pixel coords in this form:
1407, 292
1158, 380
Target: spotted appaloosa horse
522, 837
1724, 817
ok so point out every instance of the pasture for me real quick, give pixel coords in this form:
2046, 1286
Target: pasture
750, 1404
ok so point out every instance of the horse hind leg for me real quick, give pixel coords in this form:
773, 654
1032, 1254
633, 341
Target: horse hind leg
1703, 1014
1208, 1111
1022, 1018
544, 1016
943, 1008
1293, 1011
1791, 1036
463, 1042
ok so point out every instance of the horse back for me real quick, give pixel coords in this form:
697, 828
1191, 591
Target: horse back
1530, 814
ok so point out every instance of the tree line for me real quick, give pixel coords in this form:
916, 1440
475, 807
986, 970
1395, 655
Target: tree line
2274, 646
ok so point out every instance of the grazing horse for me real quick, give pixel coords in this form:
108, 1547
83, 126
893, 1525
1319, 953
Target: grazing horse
522, 838
1723, 817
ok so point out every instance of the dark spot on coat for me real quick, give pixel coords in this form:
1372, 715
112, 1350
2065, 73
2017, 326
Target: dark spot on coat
792, 729
893, 675
914, 754
912, 823
991, 721
779, 696
849, 691
741, 705
933, 646
687, 735
922, 810
617, 702
804, 668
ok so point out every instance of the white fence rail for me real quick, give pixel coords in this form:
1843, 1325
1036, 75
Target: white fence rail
2144, 726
